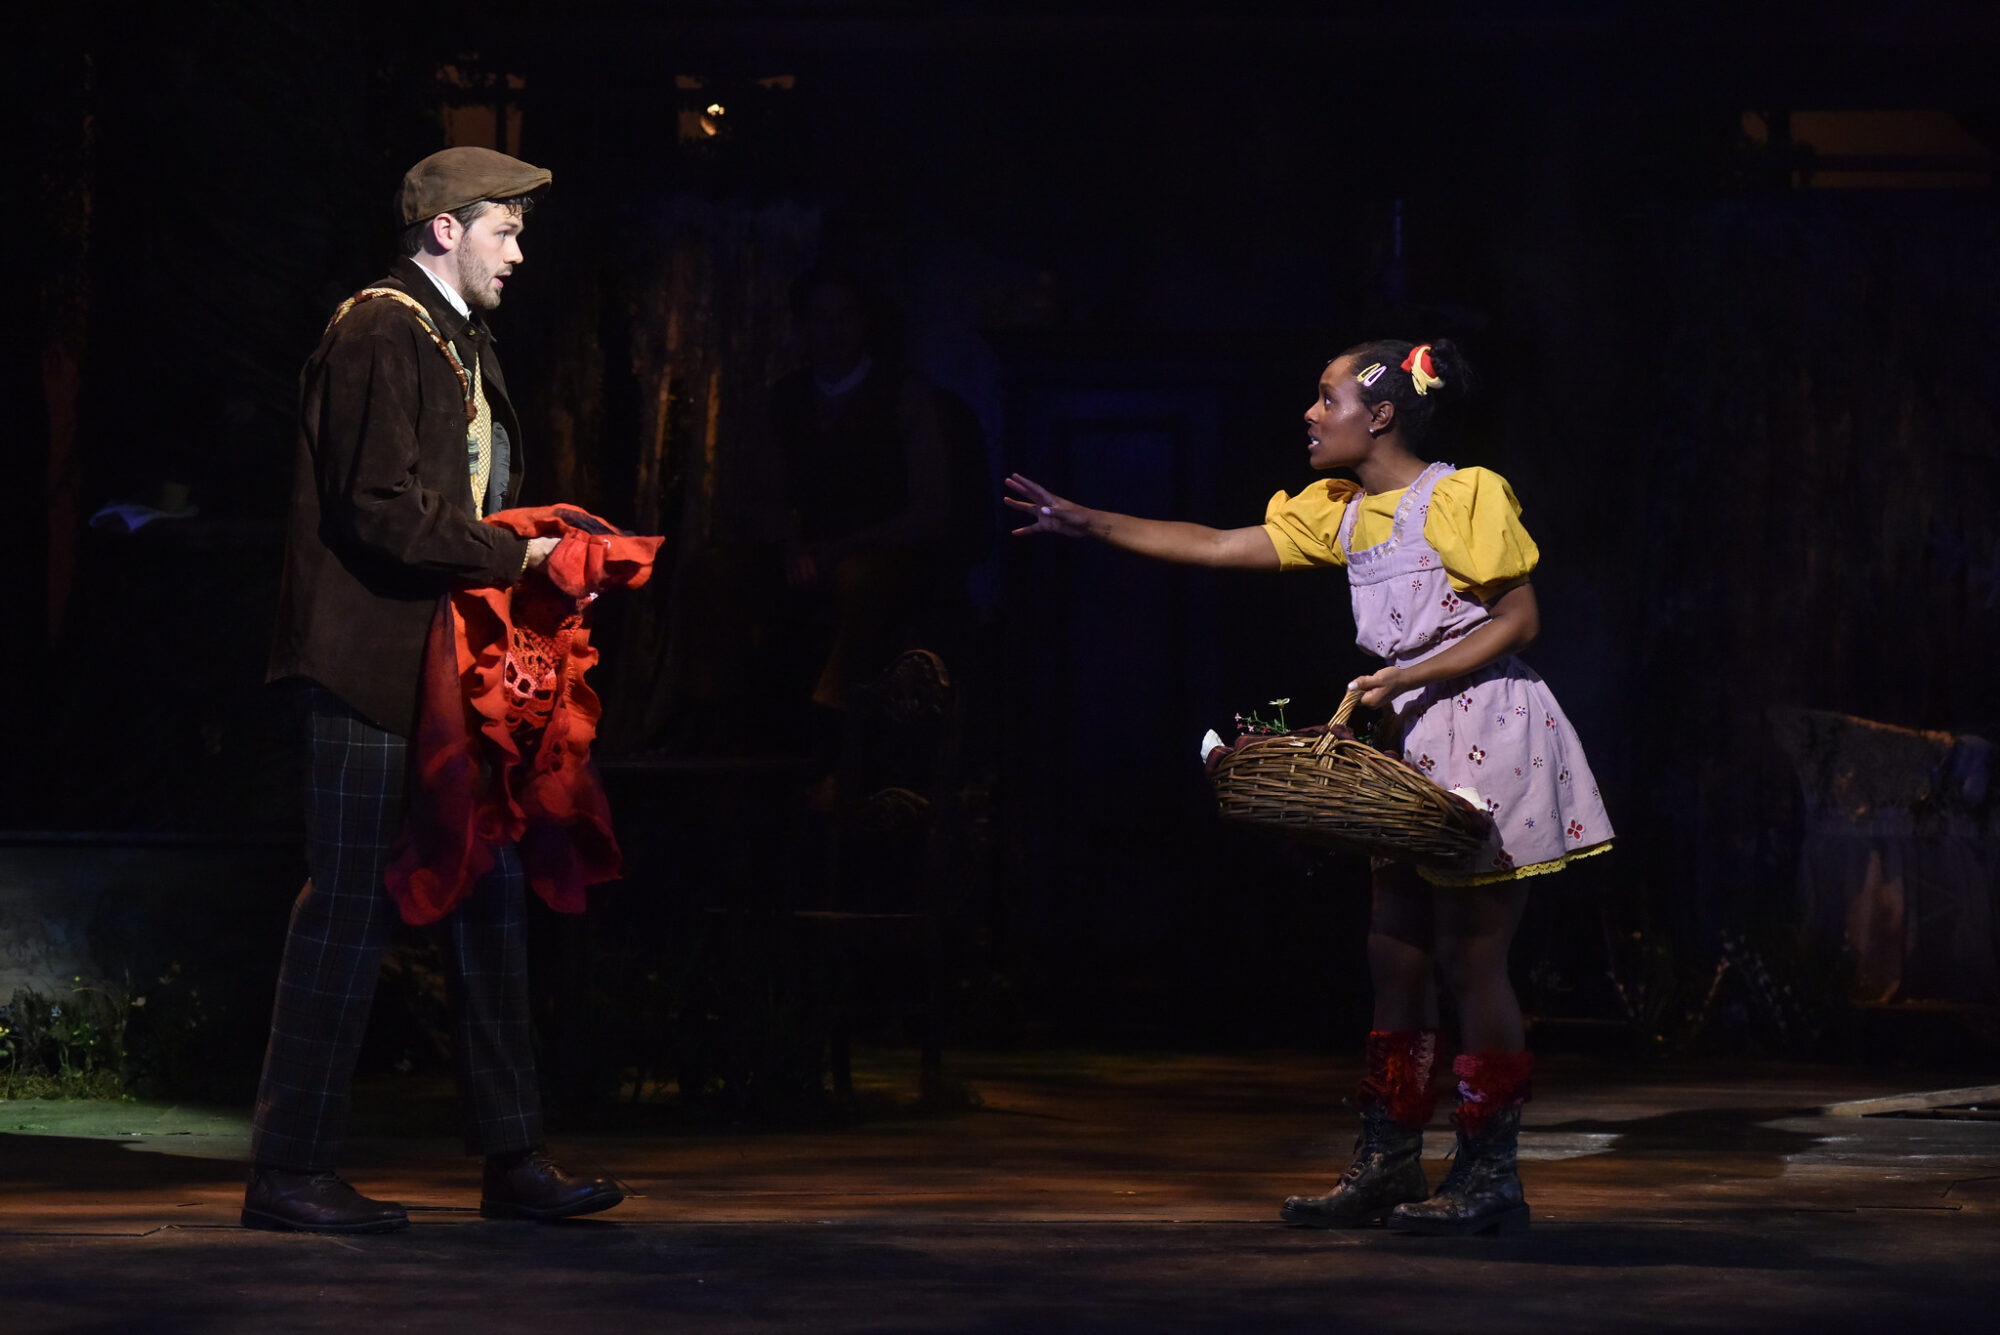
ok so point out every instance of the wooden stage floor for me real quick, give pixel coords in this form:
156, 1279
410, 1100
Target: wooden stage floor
1084, 1191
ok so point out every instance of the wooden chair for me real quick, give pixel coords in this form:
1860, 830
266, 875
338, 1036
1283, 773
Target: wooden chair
895, 842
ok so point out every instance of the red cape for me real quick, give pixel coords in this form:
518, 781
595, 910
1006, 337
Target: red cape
505, 724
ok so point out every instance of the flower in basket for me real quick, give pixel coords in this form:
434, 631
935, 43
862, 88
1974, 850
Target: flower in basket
1252, 728
1268, 727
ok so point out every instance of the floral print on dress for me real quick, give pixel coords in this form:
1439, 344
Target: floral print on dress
1458, 731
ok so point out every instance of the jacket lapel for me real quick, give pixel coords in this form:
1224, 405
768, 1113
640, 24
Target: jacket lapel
407, 275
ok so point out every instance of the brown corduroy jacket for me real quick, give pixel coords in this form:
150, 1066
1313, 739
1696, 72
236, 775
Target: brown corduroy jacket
382, 518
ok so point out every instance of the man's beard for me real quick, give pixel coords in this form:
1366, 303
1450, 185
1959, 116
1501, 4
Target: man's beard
475, 283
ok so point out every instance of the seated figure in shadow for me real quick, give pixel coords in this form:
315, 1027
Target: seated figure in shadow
885, 504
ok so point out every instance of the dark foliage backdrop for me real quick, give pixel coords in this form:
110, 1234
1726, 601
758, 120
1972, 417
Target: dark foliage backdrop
1753, 424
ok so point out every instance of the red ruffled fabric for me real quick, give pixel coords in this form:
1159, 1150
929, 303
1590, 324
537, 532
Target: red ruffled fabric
1398, 1077
1489, 1082
505, 724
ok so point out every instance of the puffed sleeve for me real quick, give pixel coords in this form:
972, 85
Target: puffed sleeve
1475, 525
1306, 528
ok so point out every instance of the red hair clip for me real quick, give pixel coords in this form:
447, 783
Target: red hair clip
1423, 372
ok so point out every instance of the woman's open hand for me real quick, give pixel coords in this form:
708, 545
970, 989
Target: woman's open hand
1046, 511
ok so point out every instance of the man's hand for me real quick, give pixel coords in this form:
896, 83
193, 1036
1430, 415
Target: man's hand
538, 552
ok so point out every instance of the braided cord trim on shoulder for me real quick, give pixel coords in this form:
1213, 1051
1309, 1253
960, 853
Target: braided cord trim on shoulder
423, 318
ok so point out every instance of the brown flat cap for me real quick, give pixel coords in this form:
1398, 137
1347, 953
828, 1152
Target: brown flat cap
455, 177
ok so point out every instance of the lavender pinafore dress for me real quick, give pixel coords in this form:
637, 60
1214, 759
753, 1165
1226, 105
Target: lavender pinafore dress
1497, 729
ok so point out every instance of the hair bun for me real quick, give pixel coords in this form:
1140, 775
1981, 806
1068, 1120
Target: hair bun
1452, 367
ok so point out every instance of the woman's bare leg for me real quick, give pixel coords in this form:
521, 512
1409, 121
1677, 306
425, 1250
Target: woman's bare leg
1401, 931
1475, 928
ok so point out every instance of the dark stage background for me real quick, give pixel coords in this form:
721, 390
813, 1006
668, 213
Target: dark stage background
1730, 272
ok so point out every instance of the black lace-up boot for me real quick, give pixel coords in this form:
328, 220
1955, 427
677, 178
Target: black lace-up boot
1481, 1193
1387, 1171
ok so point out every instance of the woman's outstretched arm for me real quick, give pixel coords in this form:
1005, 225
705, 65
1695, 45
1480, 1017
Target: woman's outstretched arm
1161, 539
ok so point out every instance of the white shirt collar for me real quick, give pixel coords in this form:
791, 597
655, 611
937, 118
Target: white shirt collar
450, 293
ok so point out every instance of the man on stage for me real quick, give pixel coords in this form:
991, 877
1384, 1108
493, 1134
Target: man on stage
406, 440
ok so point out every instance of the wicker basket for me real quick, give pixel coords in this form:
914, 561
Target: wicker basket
1339, 793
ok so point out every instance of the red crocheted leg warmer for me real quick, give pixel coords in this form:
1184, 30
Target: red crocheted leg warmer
1399, 1074
1489, 1082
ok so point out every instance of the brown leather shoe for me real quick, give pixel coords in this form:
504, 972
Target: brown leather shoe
533, 1186
287, 1202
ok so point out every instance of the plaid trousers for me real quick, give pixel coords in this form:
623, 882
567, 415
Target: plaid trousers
356, 781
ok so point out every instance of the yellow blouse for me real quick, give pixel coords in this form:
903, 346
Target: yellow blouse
1474, 523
